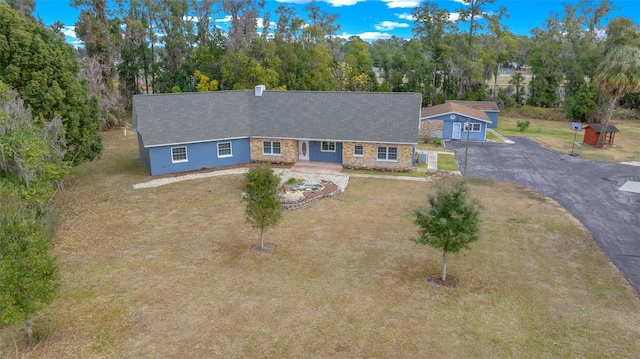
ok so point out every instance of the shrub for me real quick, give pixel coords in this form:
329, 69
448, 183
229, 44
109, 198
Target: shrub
523, 125
437, 141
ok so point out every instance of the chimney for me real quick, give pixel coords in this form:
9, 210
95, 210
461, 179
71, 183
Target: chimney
260, 89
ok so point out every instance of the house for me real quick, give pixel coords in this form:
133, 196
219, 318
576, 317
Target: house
192, 131
592, 133
489, 107
456, 120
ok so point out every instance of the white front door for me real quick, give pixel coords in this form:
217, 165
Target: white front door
303, 150
457, 128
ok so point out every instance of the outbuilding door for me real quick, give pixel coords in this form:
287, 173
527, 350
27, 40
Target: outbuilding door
457, 128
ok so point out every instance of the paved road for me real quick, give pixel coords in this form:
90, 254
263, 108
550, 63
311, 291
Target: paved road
586, 188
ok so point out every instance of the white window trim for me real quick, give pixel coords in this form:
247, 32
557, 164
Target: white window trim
354, 151
328, 143
473, 124
230, 150
386, 154
271, 146
186, 155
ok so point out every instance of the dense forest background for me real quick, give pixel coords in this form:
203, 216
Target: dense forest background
158, 46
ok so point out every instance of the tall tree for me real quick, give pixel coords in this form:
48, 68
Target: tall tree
517, 80
42, 67
264, 208
175, 23
244, 21
451, 223
617, 75
30, 162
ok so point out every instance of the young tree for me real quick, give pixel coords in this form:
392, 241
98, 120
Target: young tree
450, 223
264, 209
617, 75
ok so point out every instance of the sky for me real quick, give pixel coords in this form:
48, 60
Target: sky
373, 19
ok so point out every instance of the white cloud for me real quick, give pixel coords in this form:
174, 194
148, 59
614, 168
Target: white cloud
454, 16
390, 25
338, 3
260, 23
405, 16
461, 2
190, 18
70, 31
404, 4
367, 36
224, 19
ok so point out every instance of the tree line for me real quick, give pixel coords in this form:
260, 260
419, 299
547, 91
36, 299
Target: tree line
157, 46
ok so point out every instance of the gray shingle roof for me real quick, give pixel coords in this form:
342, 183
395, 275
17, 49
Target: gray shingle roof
341, 116
191, 117
452, 107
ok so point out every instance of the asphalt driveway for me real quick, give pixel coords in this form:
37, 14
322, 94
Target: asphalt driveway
586, 188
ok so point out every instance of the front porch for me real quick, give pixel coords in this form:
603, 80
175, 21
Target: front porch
316, 167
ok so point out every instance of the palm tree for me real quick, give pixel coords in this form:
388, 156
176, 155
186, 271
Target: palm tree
517, 80
617, 75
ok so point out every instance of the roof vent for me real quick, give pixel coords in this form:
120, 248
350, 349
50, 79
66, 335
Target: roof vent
260, 89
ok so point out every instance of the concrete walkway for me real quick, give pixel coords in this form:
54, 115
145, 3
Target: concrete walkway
590, 190
497, 134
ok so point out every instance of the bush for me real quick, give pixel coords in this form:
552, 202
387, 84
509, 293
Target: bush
437, 141
523, 125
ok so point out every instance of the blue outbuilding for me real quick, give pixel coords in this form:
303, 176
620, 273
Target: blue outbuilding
459, 122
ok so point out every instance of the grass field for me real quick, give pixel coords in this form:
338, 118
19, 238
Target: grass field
166, 272
557, 135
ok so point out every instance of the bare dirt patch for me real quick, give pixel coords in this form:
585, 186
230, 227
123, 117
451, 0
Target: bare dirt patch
267, 248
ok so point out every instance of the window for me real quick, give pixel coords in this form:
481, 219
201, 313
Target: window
328, 146
271, 148
475, 127
224, 149
179, 154
358, 150
387, 153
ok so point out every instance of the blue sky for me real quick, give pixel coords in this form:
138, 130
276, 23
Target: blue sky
375, 19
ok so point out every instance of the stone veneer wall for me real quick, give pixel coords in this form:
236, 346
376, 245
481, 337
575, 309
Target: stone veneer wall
431, 128
370, 158
288, 151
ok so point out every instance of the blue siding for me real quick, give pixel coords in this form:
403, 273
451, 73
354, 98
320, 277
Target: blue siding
447, 129
199, 155
474, 136
493, 116
144, 153
316, 155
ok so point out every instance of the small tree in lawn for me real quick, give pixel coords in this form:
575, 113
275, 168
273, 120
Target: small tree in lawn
450, 223
264, 208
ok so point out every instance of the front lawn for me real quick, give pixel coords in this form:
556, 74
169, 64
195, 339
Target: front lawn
167, 272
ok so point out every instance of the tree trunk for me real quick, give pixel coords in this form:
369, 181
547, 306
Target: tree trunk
28, 329
607, 117
444, 266
261, 238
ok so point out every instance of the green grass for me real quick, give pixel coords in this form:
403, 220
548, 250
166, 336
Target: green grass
447, 162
